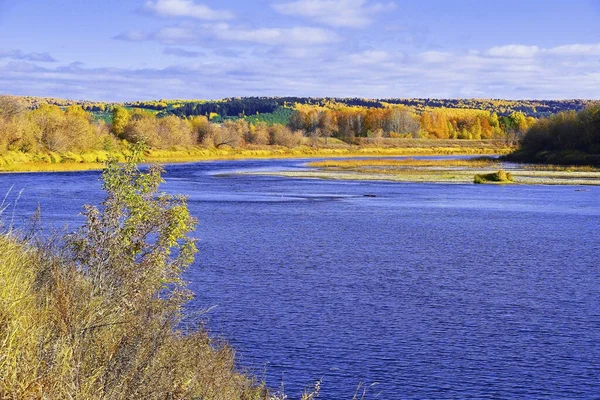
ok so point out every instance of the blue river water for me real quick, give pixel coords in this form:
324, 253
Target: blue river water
416, 290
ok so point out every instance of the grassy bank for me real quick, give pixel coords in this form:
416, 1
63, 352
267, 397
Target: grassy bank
361, 165
445, 171
496, 178
63, 337
98, 314
47, 162
563, 157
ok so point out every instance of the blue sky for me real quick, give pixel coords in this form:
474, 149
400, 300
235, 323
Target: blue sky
118, 50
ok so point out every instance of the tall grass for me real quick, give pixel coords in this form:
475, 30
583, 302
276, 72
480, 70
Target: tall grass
30, 162
407, 162
61, 339
98, 314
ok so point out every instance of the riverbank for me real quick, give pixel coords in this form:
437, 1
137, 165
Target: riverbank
54, 162
565, 157
78, 325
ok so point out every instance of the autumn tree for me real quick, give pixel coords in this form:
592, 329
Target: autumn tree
258, 134
48, 122
327, 124
11, 123
516, 126
141, 129
202, 129
280, 135
174, 132
121, 118
228, 135
402, 122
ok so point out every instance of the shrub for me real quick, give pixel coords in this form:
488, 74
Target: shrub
280, 135
98, 315
228, 135
173, 131
258, 134
495, 177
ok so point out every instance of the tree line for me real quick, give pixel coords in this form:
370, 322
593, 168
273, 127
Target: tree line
238, 107
70, 128
50, 128
564, 138
354, 124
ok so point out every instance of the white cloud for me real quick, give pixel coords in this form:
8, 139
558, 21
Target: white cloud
338, 13
435, 57
293, 37
132, 36
524, 51
576, 50
514, 51
169, 35
179, 52
174, 34
322, 74
369, 57
20, 55
230, 66
186, 8
277, 36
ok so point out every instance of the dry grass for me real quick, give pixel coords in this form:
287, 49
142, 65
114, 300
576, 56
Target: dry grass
441, 170
47, 162
48, 167
99, 314
60, 339
407, 162
562, 168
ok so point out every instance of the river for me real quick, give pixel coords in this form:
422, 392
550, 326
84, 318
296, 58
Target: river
421, 290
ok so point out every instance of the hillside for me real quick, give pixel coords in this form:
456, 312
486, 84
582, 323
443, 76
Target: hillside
247, 106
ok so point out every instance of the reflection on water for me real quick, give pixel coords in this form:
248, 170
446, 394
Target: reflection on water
433, 291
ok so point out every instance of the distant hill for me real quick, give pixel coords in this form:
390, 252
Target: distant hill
235, 107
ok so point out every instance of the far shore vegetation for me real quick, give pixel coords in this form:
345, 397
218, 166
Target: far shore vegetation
60, 135
566, 138
51, 134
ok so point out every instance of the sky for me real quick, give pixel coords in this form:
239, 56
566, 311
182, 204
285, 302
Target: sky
125, 50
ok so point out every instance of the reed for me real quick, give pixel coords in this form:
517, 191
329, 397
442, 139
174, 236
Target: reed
407, 162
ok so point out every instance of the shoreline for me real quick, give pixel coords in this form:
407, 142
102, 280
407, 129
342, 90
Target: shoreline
522, 178
44, 163
440, 171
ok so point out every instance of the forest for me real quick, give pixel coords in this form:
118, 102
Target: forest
61, 127
234, 107
33, 126
568, 138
